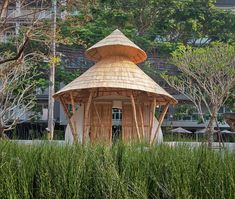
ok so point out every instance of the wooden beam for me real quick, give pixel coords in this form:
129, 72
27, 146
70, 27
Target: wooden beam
152, 115
68, 115
74, 122
141, 120
161, 118
134, 114
72, 102
85, 129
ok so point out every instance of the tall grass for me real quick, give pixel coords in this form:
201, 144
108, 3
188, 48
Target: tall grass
120, 171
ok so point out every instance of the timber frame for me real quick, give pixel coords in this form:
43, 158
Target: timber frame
137, 101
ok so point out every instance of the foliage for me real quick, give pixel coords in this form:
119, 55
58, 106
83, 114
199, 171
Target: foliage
184, 110
149, 69
188, 21
120, 171
152, 24
65, 76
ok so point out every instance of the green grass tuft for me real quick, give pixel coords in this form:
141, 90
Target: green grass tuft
120, 171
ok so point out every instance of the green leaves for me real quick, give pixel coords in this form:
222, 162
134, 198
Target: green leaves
54, 60
151, 24
217, 57
65, 76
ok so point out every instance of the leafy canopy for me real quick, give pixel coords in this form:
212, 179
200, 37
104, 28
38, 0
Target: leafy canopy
152, 24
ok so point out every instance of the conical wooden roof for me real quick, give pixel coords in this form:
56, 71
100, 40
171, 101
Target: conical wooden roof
116, 44
116, 69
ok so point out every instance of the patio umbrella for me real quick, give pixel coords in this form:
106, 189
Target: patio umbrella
180, 130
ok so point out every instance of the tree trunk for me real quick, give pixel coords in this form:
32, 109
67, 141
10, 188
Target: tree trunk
1, 132
211, 126
3, 136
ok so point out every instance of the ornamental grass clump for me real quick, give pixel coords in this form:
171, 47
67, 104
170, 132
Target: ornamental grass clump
120, 171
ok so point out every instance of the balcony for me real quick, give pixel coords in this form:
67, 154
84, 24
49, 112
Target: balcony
191, 121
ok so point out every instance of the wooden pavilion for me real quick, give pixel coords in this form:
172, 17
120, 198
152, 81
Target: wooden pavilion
114, 81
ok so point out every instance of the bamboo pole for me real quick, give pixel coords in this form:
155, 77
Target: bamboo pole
72, 102
142, 120
74, 122
161, 118
152, 115
65, 107
85, 129
134, 114
68, 115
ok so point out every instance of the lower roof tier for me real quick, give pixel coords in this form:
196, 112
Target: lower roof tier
116, 72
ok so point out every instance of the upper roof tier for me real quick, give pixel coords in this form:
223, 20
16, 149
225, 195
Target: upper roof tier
116, 44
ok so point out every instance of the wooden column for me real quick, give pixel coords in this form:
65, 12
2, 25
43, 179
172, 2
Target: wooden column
86, 122
134, 114
74, 122
161, 118
68, 115
141, 120
152, 115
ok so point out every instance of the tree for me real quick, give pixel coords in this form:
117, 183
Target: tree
207, 77
17, 74
16, 93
